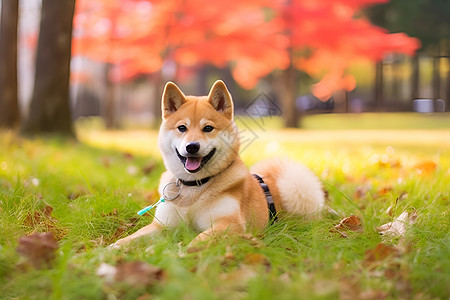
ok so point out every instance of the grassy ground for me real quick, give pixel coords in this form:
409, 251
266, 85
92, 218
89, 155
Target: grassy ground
87, 194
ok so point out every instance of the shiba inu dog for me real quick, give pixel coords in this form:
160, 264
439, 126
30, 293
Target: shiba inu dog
207, 185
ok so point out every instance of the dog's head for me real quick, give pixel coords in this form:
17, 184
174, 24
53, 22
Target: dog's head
198, 137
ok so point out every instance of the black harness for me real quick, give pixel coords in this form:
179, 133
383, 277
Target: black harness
270, 204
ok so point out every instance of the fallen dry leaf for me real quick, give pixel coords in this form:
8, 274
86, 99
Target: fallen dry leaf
361, 191
256, 259
229, 253
106, 161
228, 259
151, 197
425, 167
239, 278
352, 223
148, 168
382, 251
138, 273
384, 190
390, 210
252, 240
121, 230
39, 249
350, 289
399, 225
145, 296
38, 216
128, 155
80, 192
42, 220
113, 213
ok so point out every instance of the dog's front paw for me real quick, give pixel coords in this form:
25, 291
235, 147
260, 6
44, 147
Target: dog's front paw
114, 246
119, 243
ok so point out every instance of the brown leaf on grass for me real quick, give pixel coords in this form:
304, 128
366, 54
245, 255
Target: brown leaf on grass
151, 196
399, 225
425, 167
145, 296
77, 194
39, 249
237, 279
42, 220
119, 232
122, 229
38, 216
106, 161
373, 257
138, 273
229, 255
384, 190
352, 223
112, 213
390, 211
228, 259
361, 192
148, 168
256, 259
372, 295
128, 155
350, 289
252, 240
47, 211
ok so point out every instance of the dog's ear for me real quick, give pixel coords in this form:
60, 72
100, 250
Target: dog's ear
220, 98
172, 99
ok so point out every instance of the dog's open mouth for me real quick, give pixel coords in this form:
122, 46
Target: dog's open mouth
194, 164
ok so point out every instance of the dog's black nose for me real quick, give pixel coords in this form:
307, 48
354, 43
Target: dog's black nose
193, 148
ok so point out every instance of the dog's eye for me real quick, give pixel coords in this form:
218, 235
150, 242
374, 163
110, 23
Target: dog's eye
182, 128
208, 128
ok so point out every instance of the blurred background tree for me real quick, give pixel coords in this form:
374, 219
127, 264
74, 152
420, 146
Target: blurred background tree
326, 37
253, 38
50, 106
9, 107
301, 53
429, 21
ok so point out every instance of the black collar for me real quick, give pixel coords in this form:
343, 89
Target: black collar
201, 181
195, 182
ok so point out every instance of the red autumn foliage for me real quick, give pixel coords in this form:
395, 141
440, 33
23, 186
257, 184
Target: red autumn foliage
255, 37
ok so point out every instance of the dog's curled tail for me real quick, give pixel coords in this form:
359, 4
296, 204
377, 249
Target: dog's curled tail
299, 189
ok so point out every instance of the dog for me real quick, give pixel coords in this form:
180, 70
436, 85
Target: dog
207, 185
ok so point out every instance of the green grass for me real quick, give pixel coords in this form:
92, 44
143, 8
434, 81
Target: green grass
378, 121
95, 188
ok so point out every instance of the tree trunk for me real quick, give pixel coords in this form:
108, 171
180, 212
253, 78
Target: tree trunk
436, 75
156, 99
396, 83
415, 78
50, 104
447, 108
379, 86
9, 107
109, 109
288, 95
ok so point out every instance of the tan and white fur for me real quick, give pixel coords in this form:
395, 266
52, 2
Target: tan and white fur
202, 131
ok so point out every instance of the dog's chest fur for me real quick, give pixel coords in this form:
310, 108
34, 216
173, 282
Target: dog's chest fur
199, 206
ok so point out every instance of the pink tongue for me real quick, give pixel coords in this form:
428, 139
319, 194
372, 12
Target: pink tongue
192, 163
